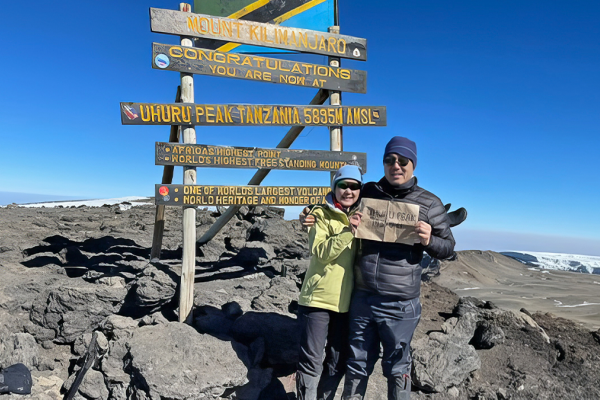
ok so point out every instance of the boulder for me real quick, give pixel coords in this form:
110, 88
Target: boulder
18, 348
153, 290
281, 295
281, 335
93, 387
173, 361
287, 237
442, 360
254, 253
487, 335
72, 311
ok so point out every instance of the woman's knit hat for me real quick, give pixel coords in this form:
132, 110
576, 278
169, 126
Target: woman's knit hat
347, 172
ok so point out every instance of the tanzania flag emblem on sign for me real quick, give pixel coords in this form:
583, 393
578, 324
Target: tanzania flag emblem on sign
317, 15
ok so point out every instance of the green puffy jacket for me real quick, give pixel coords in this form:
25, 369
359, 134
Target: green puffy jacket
330, 275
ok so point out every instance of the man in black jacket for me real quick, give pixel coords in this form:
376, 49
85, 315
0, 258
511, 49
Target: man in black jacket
385, 308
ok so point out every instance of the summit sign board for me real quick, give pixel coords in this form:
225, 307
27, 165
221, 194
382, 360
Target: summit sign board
251, 115
200, 155
258, 34
204, 195
192, 60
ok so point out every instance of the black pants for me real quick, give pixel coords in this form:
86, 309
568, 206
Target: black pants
376, 319
324, 334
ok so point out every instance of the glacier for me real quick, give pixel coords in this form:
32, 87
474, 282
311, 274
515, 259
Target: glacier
557, 261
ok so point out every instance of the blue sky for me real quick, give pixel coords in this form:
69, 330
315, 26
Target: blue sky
502, 98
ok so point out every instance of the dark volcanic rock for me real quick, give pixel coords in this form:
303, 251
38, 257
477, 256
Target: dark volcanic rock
153, 290
287, 237
279, 297
281, 335
173, 361
443, 360
66, 272
18, 348
72, 311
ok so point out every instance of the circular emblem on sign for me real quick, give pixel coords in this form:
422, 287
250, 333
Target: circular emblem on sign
355, 53
162, 61
163, 191
166, 198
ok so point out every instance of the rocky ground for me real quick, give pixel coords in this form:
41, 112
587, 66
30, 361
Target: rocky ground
68, 272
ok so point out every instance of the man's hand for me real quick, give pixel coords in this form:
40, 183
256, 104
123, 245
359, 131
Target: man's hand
355, 221
305, 219
423, 229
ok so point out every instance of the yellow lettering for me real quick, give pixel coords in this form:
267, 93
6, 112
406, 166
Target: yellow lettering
363, 117
219, 115
176, 52
331, 45
233, 57
202, 53
208, 115
146, 117
176, 114
322, 44
192, 24
225, 28
155, 113
186, 118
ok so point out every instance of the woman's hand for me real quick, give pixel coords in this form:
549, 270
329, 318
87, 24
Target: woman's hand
355, 221
305, 219
423, 229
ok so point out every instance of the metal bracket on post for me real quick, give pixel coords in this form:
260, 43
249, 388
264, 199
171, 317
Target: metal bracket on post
188, 267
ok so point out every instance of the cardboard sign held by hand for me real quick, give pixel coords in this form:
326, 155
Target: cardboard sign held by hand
388, 221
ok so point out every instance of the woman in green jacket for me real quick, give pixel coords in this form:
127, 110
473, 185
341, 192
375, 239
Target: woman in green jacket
327, 288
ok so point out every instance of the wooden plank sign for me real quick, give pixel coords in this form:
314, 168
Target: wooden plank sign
199, 195
201, 155
258, 34
251, 115
192, 60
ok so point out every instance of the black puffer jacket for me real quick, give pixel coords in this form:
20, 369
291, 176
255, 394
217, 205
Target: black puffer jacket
391, 268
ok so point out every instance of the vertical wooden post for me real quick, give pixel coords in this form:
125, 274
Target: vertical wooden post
336, 139
167, 178
188, 267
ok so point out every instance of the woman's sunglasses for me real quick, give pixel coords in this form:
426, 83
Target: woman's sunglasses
391, 160
348, 185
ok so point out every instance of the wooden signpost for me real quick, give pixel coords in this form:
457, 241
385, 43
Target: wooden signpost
198, 195
258, 34
201, 155
256, 68
186, 114
250, 115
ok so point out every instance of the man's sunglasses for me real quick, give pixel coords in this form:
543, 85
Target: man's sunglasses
390, 161
348, 185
